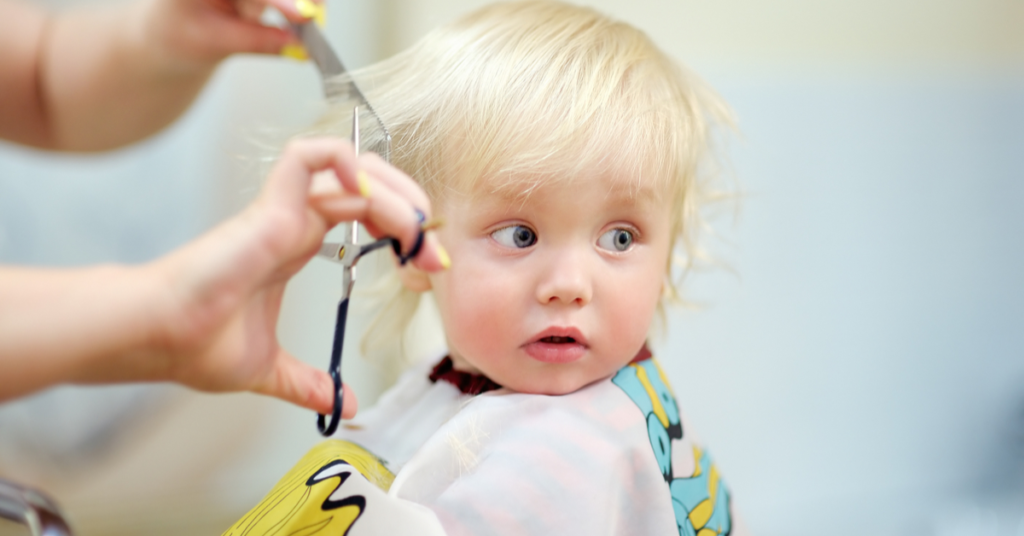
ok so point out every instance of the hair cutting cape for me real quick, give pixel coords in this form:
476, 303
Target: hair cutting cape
611, 458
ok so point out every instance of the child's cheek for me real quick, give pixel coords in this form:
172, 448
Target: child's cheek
629, 319
480, 318
634, 317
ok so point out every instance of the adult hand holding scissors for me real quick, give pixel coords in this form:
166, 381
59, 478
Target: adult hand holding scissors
205, 315
104, 76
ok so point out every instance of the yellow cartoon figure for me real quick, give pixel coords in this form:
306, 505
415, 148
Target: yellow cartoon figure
337, 488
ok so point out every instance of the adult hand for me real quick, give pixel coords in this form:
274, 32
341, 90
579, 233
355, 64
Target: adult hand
101, 77
206, 315
226, 288
203, 32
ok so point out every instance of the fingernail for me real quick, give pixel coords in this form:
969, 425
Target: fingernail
306, 8
363, 180
446, 261
321, 15
294, 51
432, 223
312, 10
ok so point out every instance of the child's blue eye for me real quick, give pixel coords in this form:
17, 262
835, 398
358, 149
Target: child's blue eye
515, 236
616, 240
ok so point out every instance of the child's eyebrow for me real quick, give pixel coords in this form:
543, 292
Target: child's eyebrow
514, 192
633, 194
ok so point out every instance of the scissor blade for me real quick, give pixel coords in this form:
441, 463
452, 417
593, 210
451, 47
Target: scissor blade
326, 60
332, 251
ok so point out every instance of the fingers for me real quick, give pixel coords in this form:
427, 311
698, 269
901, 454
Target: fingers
240, 35
250, 10
290, 179
435, 257
299, 10
379, 195
396, 180
296, 382
251, 37
385, 212
389, 213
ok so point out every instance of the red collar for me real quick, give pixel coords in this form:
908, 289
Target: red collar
470, 383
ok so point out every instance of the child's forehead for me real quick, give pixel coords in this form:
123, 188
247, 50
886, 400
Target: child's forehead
521, 190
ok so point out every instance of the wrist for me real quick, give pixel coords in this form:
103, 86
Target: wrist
118, 310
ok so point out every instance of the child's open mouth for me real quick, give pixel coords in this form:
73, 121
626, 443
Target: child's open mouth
557, 345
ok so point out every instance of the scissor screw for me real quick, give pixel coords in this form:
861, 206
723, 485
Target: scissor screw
341, 252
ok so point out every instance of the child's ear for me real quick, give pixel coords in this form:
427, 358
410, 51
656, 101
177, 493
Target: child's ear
413, 278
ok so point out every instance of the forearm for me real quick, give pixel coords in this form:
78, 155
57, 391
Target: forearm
91, 325
102, 77
22, 118
107, 77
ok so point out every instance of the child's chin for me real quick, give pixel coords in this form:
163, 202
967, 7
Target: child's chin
552, 386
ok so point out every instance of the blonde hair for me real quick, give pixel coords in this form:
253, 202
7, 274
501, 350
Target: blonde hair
519, 93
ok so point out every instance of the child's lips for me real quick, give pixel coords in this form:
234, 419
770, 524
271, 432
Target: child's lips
555, 352
557, 345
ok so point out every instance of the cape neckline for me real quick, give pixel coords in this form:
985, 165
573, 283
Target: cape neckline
471, 383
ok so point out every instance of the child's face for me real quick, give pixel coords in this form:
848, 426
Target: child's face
552, 292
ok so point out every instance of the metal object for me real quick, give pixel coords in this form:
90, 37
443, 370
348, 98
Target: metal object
339, 87
347, 254
33, 509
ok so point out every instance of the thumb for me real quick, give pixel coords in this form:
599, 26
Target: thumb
248, 36
297, 382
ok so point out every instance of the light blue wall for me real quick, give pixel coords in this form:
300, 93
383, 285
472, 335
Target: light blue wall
128, 206
864, 371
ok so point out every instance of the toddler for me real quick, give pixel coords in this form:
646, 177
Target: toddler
564, 151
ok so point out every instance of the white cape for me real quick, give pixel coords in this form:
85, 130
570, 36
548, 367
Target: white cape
611, 458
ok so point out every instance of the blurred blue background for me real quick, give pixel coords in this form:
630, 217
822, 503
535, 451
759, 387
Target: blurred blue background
864, 370
859, 368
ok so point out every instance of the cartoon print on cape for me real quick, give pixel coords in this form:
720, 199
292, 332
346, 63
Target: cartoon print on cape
700, 500
311, 498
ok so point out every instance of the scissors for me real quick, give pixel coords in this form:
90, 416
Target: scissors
337, 86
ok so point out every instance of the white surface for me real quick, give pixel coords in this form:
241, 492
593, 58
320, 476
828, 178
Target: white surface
582, 463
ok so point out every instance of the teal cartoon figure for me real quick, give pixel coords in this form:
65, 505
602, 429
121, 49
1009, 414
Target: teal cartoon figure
700, 500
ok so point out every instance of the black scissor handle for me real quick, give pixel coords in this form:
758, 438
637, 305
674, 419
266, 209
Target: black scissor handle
416, 246
328, 429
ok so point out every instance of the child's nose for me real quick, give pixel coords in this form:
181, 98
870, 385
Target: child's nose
566, 281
